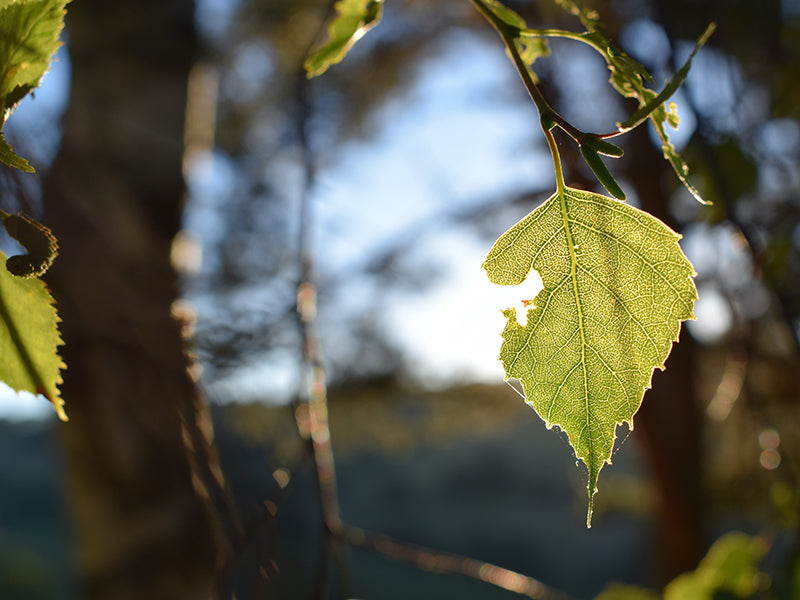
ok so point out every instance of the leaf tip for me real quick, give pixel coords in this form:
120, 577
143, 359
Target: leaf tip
59, 406
54, 398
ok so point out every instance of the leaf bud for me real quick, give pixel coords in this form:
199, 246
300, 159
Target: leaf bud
602, 173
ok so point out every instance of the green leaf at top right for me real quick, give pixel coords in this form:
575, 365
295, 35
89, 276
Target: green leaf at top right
616, 288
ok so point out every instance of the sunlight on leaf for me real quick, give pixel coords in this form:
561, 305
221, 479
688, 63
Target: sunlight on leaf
29, 33
29, 361
530, 49
353, 19
656, 101
616, 288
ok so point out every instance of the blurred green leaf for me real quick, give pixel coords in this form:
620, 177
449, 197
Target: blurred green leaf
29, 32
618, 591
616, 288
29, 361
532, 48
731, 565
353, 19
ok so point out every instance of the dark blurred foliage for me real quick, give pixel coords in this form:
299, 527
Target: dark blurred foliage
412, 462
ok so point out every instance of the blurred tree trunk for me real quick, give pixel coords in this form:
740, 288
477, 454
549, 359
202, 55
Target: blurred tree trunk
668, 424
113, 198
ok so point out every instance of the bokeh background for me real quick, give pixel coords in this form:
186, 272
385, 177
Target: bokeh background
174, 145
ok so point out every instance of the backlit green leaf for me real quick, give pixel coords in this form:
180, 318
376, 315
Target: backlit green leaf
29, 32
655, 101
353, 19
29, 361
616, 288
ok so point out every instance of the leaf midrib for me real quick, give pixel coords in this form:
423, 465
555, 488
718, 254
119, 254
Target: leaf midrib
573, 271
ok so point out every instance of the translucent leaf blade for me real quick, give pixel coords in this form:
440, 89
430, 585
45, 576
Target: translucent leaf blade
616, 288
29, 338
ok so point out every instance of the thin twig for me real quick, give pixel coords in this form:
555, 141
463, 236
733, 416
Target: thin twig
546, 112
727, 206
311, 405
437, 561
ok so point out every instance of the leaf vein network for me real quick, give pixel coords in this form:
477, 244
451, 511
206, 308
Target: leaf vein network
634, 251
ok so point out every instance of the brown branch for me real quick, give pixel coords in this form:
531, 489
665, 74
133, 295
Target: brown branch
437, 561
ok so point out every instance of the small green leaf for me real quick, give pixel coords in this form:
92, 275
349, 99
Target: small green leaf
616, 288
678, 165
353, 19
29, 361
532, 48
657, 101
601, 171
626, 75
673, 118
